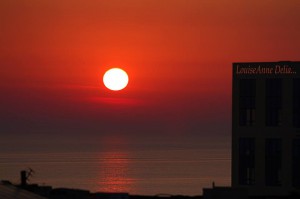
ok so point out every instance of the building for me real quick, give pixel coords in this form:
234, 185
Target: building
266, 128
9, 191
225, 193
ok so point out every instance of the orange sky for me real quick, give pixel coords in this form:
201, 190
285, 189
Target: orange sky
178, 54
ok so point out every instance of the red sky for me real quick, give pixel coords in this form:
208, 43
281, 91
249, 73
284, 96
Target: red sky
178, 54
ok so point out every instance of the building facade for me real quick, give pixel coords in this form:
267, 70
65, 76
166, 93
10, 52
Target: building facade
266, 127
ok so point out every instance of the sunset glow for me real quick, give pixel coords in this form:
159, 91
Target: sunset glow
157, 74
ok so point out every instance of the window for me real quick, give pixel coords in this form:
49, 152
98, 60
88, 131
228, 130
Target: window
296, 163
273, 102
246, 161
296, 102
247, 91
273, 162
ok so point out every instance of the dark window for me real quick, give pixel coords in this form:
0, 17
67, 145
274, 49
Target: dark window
247, 102
296, 163
273, 162
246, 161
296, 103
273, 102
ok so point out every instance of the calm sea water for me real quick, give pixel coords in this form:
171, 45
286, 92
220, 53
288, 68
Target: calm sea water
138, 165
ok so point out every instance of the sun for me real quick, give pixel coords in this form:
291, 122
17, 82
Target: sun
115, 79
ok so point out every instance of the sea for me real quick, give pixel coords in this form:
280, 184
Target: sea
135, 164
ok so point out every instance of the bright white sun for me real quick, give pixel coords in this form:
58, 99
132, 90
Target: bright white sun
115, 79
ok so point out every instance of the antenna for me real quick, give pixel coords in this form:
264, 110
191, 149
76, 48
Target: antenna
25, 175
30, 173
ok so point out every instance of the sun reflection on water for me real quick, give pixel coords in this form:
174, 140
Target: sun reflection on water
113, 173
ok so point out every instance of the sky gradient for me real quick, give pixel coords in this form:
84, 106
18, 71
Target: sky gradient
178, 55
